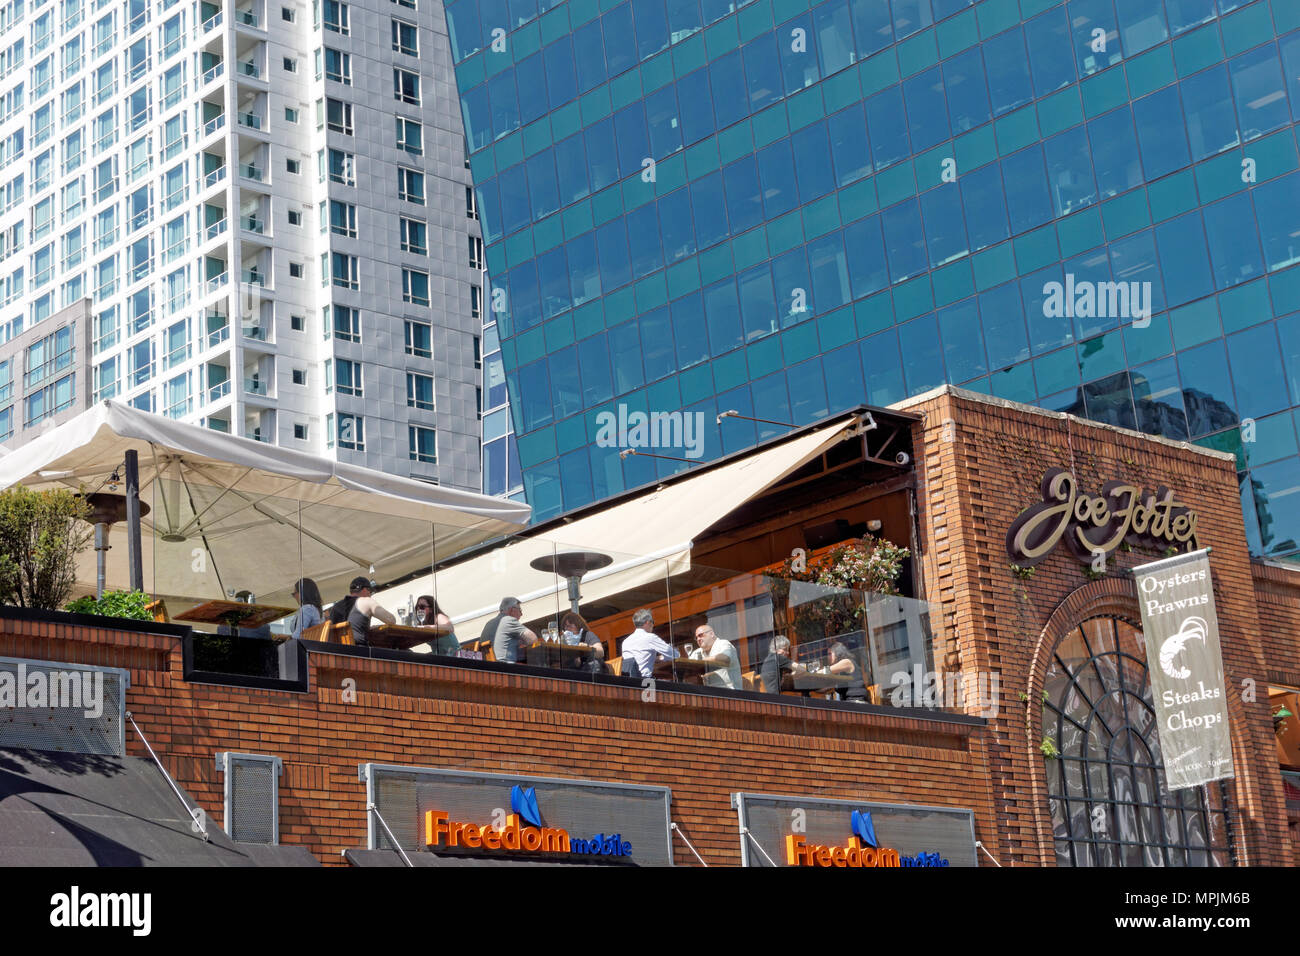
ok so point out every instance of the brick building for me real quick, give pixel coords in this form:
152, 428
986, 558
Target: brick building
945, 474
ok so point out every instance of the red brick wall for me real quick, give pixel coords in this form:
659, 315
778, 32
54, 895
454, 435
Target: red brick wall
429, 716
1277, 591
981, 464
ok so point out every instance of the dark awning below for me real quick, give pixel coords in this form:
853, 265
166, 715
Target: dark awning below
61, 809
358, 857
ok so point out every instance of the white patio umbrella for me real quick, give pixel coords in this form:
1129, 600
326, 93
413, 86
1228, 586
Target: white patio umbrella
231, 514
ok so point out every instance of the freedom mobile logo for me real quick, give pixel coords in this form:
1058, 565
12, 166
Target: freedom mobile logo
523, 831
862, 849
75, 909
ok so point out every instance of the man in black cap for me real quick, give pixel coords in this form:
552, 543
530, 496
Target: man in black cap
358, 608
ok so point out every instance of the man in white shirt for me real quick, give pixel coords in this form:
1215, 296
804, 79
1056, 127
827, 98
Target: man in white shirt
719, 650
643, 645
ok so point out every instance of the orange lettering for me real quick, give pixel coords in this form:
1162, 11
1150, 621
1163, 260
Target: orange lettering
491, 838
823, 854
868, 856
837, 856
510, 838
531, 838
473, 836
435, 822
794, 850
453, 831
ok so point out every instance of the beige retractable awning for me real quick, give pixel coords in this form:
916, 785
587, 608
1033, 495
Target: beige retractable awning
649, 538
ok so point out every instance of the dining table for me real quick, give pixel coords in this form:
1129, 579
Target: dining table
403, 637
234, 614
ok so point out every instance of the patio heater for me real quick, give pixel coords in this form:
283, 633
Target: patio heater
106, 510
572, 565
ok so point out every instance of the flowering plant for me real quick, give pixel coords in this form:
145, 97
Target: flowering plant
871, 564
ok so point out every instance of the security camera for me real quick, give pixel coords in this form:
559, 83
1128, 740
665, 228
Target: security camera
902, 458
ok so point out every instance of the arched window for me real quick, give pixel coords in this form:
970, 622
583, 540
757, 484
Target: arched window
1106, 786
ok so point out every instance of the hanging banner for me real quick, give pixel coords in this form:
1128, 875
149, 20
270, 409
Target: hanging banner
1186, 668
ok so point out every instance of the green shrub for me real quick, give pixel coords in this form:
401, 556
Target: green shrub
41, 533
131, 605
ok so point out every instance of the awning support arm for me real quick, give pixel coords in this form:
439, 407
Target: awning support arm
753, 840
196, 813
678, 830
384, 823
981, 846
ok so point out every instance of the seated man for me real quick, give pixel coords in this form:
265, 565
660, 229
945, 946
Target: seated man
720, 651
507, 633
777, 664
645, 646
358, 608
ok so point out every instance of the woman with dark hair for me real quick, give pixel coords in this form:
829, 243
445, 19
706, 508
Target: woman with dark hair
428, 614
845, 663
577, 634
307, 594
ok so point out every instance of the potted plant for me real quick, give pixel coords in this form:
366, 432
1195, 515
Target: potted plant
127, 605
869, 564
41, 534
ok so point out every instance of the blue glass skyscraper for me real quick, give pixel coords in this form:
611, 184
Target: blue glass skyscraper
789, 209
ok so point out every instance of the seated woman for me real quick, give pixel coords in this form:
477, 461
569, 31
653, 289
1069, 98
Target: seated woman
310, 613
577, 634
428, 614
844, 662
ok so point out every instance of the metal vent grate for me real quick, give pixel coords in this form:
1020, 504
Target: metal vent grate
252, 801
71, 708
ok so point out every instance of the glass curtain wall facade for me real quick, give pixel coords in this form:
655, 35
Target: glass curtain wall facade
787, 209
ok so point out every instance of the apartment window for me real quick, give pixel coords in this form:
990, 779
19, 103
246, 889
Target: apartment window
103, 34
336, 15
173, 86
42, 265
290, 114
338, 66
478, 352
106, 377
419, 339
43, 124
42, 218
42, 76
338, 116
471, 203
345, 324
299, 431
295, 217
297, 323
419, 391
410, 185
286, 15
475, 252
105, 81
50, 400
292, 166
475, 302
106, 329
414, 236
423, 444
173, 136
410, 136
347, 377
74, 103
409, 4
43, 171
49, 356
295, 270
346, 269
105, 179
290, 65
342, 168
177, 338
343, 219
406, 86
405, 38
299, 376
6, 423
352, 432
415, 286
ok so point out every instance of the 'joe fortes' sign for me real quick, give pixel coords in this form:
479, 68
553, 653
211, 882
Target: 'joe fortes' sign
1097, 524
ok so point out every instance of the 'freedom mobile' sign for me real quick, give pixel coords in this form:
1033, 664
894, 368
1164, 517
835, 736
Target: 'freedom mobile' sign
1186, 667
